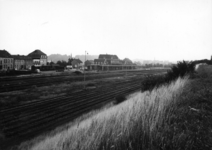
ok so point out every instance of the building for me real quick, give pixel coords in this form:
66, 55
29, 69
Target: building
18, 62
76, 63
28, 62
38, 57
89, 62
100, 61
6, 60
110, 59
22, 62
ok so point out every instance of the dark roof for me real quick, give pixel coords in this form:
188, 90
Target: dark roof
77, 60
36, 54
108, 56
5, 54
89, 61
21, 57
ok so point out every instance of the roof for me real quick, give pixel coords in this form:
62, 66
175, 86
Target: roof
5, 54
21, 57
77, 60
108, 56
89, 61
36, 54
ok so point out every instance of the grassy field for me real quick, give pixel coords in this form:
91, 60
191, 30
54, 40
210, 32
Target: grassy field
177, 116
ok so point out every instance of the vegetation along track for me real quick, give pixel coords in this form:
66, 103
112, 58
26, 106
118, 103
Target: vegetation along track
14, 84
34, 118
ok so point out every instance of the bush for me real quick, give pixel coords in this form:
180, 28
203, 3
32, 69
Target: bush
152, 82
120, 99
181, 69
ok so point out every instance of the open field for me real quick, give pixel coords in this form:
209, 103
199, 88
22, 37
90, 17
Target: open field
177, 116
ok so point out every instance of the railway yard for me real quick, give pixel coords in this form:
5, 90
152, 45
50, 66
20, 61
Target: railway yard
31, 106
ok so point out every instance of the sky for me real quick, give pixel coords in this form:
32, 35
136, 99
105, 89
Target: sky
170, 30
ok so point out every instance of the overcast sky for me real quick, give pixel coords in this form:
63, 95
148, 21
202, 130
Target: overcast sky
146, 29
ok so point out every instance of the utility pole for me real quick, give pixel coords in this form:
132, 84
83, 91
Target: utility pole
84, 68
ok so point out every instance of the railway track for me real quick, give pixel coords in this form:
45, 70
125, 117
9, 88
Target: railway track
14, 84
13, 78
28, 83
33, 118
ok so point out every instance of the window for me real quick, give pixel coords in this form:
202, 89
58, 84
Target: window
8, 60
0, 62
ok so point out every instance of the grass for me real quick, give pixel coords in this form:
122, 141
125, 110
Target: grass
165, 118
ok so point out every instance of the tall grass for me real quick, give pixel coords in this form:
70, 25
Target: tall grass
137, 123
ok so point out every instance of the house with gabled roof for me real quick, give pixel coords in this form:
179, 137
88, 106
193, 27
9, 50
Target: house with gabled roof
107, 59
6, 60
76, 63
89, 62
39, 58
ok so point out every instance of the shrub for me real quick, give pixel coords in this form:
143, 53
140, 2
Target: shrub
179, 70
152, 82
120, 99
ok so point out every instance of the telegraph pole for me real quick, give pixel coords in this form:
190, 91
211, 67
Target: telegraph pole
84, 69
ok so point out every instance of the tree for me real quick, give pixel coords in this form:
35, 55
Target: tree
70, 61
